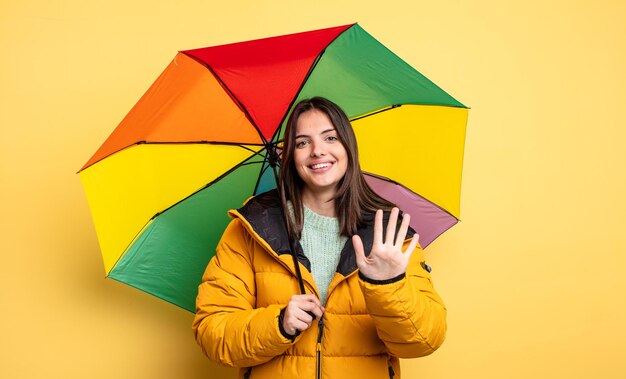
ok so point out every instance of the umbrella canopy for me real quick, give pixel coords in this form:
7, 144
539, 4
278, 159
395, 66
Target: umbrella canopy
196, 144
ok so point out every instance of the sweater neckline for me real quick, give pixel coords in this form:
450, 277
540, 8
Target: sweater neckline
319, 222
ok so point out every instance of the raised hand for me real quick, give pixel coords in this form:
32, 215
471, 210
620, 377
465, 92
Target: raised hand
297, 317
386, 260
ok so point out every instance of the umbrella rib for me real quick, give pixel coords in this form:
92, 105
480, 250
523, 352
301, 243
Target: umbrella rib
250, 163
237, 144
231, 94
179, 143
376, 112
203, 142
400, 105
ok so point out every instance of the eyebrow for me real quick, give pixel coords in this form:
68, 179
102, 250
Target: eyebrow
325, 131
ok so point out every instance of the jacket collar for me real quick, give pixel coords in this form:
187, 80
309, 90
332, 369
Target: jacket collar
264, 214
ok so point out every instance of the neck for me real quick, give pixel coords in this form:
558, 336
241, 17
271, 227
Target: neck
321, 203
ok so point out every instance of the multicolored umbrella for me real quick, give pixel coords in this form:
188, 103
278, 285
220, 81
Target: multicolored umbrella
196, 144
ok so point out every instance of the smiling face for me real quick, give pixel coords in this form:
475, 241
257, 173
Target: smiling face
319, 156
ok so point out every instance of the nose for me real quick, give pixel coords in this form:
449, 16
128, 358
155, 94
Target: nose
317, 149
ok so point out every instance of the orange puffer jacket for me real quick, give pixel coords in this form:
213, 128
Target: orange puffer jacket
366, 327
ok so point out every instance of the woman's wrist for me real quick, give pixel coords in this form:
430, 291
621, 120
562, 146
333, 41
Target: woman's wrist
382, 281
281, 328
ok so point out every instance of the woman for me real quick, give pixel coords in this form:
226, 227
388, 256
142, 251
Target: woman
369, 298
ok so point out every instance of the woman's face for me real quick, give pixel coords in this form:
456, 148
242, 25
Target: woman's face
320, 159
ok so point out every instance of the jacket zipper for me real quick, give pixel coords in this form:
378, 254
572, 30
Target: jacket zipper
320, 334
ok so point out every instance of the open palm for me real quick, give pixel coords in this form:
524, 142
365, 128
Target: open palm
386, 259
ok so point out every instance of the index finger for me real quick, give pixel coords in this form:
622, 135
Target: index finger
313, 310
309, 297
312, 306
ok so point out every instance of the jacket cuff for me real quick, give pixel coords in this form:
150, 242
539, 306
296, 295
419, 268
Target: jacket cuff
386, 281
284, 333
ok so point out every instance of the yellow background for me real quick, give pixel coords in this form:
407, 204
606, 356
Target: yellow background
533, 276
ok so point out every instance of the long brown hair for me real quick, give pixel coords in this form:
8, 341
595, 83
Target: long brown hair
355, 201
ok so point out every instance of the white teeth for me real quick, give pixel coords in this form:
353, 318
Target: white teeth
320, 165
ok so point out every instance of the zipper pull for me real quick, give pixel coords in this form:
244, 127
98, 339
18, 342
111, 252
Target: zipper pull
320, 333
321, 329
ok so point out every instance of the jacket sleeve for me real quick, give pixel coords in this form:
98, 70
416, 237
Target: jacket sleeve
227, 325
409, 315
